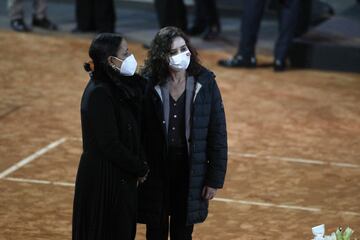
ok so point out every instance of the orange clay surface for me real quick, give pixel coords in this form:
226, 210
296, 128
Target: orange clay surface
294, 145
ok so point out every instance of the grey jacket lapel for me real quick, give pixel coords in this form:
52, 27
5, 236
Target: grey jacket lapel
163, 92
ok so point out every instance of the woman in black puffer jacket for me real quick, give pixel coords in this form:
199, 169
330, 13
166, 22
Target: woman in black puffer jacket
185, 138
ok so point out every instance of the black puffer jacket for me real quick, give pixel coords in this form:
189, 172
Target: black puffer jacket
207, 150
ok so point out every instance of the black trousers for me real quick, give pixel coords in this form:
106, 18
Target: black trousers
206, 13
252, 15
171, 13
95, 15
174, 214
304, 20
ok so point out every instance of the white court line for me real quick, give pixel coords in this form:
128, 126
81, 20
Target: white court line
352, 213
75, 139
263, 204
296, 160
225, 200
44, 182
284, 159
31, 157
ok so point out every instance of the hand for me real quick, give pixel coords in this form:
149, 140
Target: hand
143, 179
208, 193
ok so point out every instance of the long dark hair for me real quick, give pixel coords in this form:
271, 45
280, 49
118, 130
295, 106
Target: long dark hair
102, 47
157, 62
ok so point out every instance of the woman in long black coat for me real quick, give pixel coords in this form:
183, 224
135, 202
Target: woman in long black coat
186, 140
111, 163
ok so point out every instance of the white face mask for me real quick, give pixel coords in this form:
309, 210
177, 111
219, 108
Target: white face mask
180, 61
128, 66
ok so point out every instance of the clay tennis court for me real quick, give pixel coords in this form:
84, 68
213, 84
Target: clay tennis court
294, 145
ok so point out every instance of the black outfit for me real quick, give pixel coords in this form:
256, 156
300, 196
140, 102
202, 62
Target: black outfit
252, 14
178, 169
105, 201
171, 13
173, 217
176, 132
304, 19
206, 12
178, 174
95, 15
206, 18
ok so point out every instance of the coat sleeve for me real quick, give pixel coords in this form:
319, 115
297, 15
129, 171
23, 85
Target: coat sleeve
103, 121
217, 148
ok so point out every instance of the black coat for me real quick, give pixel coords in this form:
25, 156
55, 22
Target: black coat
207, 151
105, 191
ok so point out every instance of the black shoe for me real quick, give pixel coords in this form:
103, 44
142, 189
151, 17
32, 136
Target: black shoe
196, 30
44, 23
19, 25
238, 61
211, 32
279, 65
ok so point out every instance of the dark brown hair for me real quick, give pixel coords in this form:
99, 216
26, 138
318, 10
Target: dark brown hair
157, 63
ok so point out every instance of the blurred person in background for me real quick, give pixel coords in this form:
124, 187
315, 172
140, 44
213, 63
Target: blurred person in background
112, 163
171, 13
207, 22
185, 138
39, 19
95, 16
251, 19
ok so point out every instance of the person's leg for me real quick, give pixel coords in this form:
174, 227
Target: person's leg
200, 19
289, 16
160, 229
123, 213
206, 19
180, 14
16, 15
214, 18
84, 11
105, 15
39, 17
250, 25
160, 232
40, 7
251, 19
161, 8
16, 9
179, 230
200, 12
213, 22
171, 13
304, 19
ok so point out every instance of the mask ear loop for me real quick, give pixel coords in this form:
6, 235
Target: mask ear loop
113, 65
121, 60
